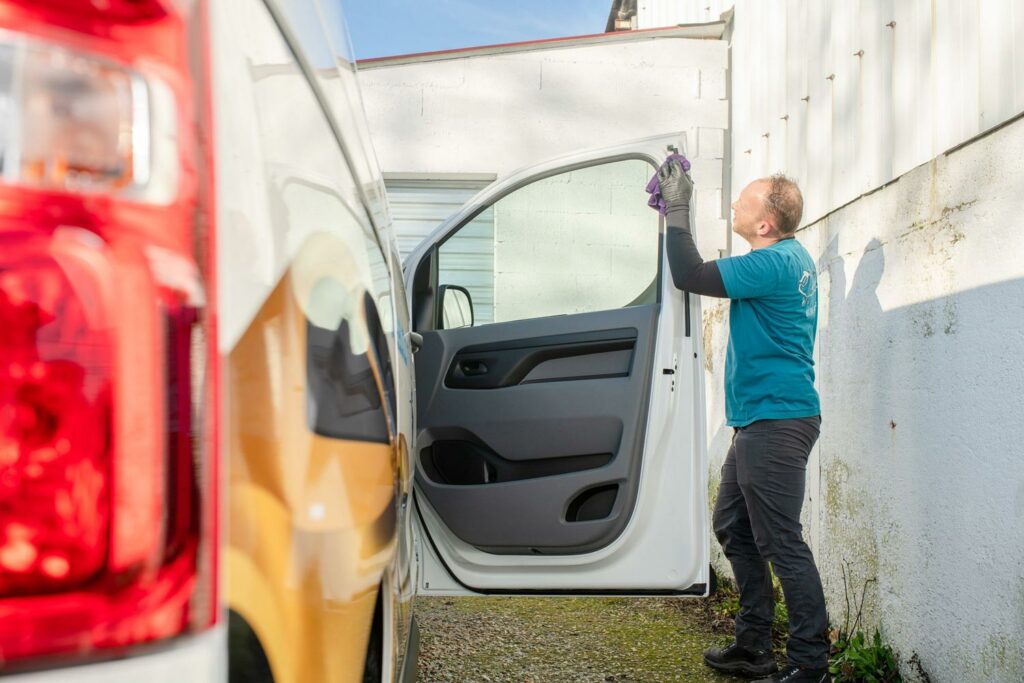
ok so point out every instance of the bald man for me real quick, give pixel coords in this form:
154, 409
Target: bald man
773, 408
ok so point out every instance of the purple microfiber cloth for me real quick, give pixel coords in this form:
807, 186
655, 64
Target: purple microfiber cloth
654, 188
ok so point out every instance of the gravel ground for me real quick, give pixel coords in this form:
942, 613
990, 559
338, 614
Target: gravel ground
564, 640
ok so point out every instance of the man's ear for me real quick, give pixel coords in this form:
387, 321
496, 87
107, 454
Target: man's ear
766, 229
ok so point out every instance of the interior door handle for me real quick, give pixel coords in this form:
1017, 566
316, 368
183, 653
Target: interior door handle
471, 368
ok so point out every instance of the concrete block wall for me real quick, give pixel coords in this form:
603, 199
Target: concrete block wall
481, 111
576, 242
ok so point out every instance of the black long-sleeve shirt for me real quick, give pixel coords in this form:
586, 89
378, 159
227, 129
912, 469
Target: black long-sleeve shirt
690, 272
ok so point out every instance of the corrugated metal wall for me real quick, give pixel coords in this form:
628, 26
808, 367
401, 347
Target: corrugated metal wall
845, 96
656, 13
420, 205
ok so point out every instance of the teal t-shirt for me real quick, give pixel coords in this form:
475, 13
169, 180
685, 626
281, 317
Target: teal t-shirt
773, 318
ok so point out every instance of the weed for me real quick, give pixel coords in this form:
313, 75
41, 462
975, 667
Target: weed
780, 624
855, 658
721, 607
863, 660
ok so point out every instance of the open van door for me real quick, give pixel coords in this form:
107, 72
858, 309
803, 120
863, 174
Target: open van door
561, 443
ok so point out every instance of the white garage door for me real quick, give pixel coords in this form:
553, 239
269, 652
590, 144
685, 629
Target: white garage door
420, 204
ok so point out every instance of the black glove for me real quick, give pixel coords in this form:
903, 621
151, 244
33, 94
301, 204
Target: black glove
676, 185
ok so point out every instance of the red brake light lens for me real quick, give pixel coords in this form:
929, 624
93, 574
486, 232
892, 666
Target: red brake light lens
107, 10
102, 498
55, 432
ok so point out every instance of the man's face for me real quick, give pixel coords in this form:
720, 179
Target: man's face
748, 215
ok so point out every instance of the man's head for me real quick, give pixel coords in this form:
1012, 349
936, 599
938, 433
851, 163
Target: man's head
767, 210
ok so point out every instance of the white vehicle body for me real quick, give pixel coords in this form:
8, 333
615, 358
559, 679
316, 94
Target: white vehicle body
317, 507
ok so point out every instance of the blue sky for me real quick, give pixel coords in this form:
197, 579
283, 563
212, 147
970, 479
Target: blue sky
391, 27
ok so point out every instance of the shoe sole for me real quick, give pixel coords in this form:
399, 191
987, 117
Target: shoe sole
744, 668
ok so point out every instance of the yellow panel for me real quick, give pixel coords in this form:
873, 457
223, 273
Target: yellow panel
312, 519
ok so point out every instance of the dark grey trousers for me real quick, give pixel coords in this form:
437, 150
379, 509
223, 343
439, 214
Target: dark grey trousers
757, 521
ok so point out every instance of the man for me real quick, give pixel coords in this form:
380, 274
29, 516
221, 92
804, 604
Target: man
771, 403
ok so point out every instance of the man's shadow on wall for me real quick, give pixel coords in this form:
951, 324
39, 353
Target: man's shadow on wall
905, 437
851, 353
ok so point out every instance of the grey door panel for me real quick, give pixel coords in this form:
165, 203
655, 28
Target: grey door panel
590, 366
543, 453
507, 363
464, 460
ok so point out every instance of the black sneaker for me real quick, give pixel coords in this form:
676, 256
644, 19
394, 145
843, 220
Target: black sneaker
734, 659
794, 674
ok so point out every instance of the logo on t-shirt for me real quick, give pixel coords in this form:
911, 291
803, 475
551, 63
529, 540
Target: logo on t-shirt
808, 288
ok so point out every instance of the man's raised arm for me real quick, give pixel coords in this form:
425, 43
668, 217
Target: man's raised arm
689, 271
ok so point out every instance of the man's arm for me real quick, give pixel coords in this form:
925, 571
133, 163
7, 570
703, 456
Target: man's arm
689, 271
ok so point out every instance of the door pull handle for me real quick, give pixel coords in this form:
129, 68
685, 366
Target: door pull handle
471, 368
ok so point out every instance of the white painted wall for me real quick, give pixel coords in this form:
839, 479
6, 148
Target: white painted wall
576, 242
484, 112
919, 474
917, 481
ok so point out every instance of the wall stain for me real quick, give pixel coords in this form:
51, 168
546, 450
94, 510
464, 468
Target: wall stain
714, 481
952, 314
946, 210
841, 502
712, 317
1002, 655
850, 540
718, 559
924, 322
943, 220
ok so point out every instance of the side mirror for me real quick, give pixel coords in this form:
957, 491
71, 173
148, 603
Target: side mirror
456, 307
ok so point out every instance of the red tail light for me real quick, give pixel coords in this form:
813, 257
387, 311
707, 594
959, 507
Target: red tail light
107, 345
55, 407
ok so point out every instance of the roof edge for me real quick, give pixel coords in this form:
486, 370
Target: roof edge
706, 31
